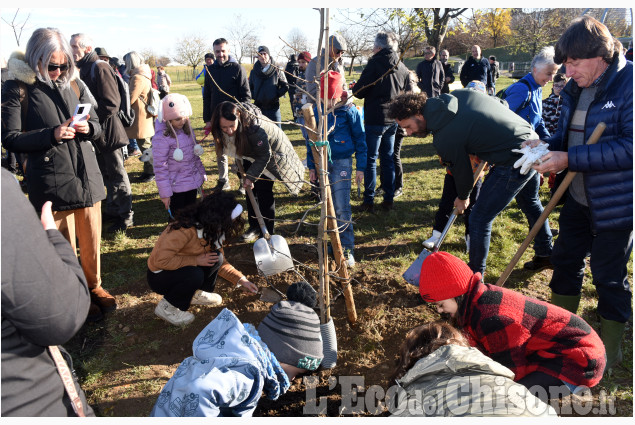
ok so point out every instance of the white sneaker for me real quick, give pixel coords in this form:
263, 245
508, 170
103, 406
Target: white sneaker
429, 243
242, 190
350, 260
173, 315
227, 186
206, 298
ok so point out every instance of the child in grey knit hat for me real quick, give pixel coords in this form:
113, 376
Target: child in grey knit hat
233, 363
292, 331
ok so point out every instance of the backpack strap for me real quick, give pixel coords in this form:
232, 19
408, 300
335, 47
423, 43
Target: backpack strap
24, 101
528, 100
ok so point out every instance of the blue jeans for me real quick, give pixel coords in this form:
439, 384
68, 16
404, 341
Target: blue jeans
502, 184
273, 115
610, 252
340, 175
132, 145
380, 140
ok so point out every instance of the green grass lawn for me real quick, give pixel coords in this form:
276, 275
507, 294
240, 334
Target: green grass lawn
399, 232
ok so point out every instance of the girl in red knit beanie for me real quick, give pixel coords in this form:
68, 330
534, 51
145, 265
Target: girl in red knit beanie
551, 350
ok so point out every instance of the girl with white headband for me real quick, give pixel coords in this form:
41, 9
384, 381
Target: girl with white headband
188, 257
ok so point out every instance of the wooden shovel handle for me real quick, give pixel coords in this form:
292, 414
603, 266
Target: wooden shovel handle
254, 204
595, 136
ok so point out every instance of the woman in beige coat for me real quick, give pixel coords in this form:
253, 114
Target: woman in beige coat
142, 128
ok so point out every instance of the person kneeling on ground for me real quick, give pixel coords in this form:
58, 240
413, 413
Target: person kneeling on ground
547, 347
233, 362
188, 256
436, 360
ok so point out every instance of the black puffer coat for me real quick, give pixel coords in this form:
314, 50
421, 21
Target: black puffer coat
377, 94
102, 83
66, 174
267, 87
232, 78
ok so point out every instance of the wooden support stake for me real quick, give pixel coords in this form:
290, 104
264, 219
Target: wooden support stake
338, 252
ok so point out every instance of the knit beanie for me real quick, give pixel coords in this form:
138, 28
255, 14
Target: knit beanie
337, 42
291, 330
443, 276
305, 55
264, 49
335, 89
175, 106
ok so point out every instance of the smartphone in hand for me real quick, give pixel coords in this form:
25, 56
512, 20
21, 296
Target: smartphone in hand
81, 113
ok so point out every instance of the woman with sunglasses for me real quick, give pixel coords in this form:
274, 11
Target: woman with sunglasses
266, 154
38, 104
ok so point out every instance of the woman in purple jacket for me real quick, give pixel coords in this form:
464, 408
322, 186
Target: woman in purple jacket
177, 164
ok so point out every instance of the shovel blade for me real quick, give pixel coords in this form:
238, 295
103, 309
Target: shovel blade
414, 271
273, 257
268, 295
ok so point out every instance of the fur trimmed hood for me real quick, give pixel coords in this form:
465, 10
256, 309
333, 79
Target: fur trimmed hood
21, 71
144, 70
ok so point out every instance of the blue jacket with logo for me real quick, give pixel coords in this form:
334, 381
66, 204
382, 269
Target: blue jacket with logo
347, 138
517, 94
607, 165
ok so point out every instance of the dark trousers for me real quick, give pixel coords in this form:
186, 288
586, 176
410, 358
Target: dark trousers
396, 157
263, 192
118, 192
610, 252
446, 204
545, 387
178, 286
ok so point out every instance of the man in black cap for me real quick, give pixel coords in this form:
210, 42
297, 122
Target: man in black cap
268, 84
102, 53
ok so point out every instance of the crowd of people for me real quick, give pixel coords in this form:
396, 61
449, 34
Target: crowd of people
542, 349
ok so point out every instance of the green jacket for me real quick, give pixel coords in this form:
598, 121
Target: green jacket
462, 381
468, 122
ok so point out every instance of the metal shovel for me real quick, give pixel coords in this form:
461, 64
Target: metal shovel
414, 271
271, 252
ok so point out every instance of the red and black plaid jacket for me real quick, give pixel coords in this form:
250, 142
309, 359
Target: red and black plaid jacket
528, 335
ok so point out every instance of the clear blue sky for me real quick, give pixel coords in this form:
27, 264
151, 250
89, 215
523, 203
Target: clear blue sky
121, 29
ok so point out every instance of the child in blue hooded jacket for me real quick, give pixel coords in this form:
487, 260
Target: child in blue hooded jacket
233, 363
347, 138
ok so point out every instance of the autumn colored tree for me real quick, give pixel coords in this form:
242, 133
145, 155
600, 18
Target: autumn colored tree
496, 24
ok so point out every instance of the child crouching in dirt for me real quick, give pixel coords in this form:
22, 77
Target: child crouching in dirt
550, 350
233, 363
437, 361
188, 256
347, 138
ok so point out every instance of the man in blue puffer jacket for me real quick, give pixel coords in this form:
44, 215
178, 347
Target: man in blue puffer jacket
597, 217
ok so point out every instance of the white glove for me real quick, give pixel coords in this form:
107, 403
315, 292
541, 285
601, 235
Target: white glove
530, 156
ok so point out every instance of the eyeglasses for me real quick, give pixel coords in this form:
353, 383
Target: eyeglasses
53, 66
558, 86
428, 52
